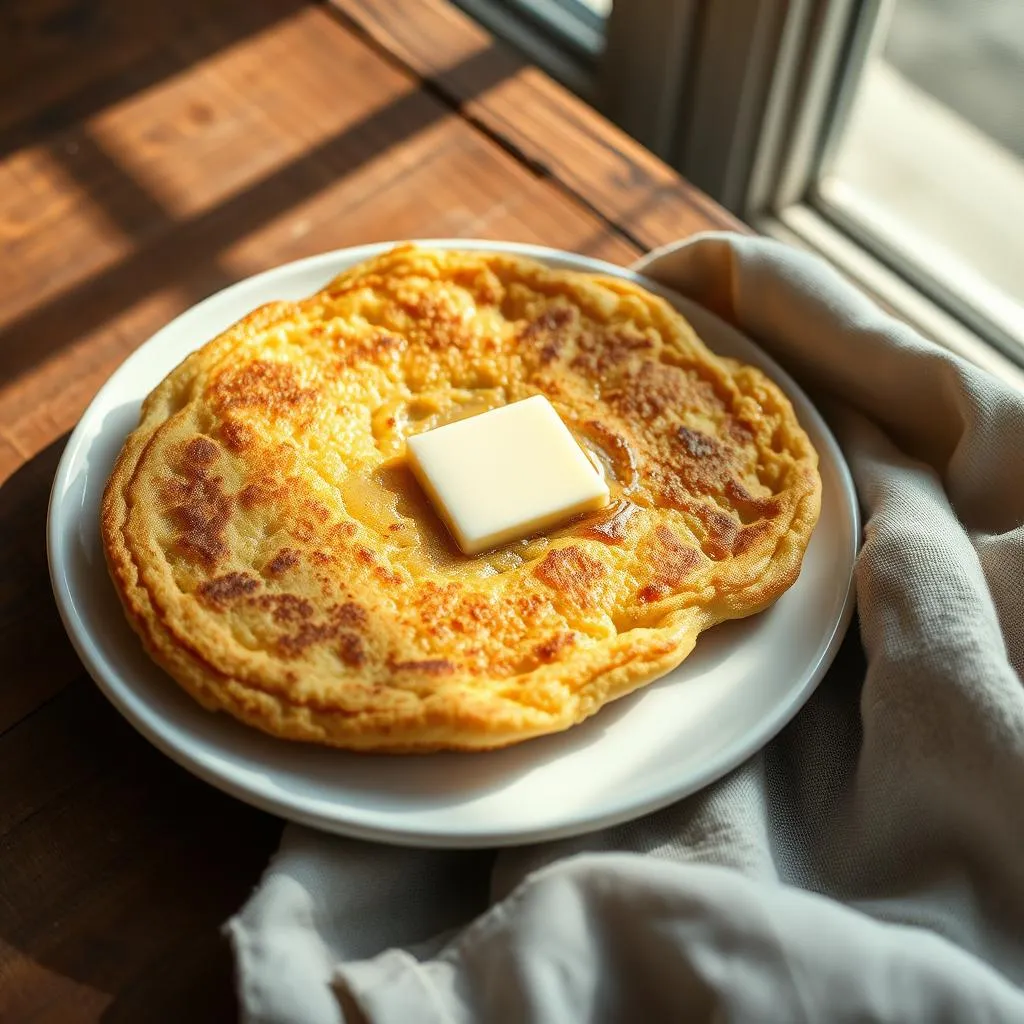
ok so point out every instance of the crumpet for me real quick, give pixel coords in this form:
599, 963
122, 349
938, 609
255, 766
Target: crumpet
274, 552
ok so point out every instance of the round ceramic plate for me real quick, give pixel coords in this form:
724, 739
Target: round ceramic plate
742, 683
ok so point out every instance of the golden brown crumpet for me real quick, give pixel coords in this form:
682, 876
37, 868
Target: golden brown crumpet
278, 559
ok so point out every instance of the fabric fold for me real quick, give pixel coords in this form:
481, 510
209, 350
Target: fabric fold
865, 866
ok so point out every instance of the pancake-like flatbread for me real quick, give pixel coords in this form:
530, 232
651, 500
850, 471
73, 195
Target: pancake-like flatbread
273, 550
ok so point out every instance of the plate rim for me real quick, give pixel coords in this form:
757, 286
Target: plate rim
299, 808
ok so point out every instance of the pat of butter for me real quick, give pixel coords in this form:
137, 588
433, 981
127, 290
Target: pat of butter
505, 474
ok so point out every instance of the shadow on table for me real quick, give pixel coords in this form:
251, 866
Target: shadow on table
100, 52
185, 252
116, 866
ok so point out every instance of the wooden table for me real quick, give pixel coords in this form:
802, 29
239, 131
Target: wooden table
151, 154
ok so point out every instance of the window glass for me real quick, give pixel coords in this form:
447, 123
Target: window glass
930, 157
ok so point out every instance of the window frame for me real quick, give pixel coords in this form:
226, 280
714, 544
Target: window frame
553, 34
818, 58
748, 101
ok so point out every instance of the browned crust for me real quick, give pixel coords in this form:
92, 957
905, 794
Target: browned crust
748, 557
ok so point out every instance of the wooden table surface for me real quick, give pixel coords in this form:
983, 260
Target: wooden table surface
151, 153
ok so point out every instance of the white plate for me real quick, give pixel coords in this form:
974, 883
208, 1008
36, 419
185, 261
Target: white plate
743, 682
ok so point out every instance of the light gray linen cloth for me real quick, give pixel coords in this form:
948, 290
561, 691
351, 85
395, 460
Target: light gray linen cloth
867, 865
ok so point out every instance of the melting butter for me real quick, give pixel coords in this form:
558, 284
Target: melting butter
505, 474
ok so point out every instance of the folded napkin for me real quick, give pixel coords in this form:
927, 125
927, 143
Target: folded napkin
867, 865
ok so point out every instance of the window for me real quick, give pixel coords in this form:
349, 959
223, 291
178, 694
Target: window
927, 166
578, 23
567, 37
888, 134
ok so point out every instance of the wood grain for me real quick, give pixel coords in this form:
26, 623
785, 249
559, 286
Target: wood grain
149, 155
232, 188
64, 60
535, 118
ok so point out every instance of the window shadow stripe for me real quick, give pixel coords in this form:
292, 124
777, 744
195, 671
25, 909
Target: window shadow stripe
183, 249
